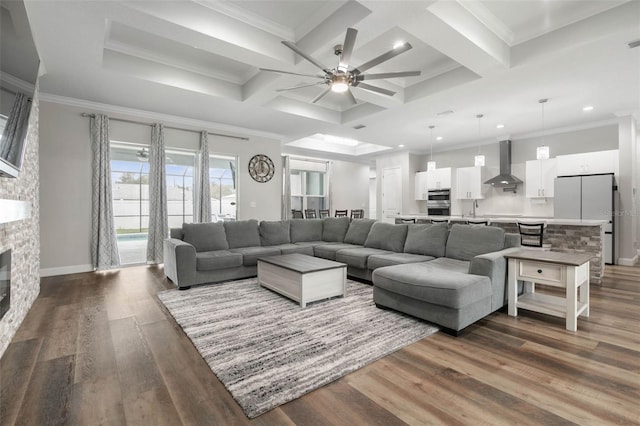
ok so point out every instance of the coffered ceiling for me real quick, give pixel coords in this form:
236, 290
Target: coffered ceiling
200, 59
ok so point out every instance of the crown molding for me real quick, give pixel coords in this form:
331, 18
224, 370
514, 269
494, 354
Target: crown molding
155, 117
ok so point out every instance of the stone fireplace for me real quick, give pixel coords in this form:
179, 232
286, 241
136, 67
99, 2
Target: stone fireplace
5, 282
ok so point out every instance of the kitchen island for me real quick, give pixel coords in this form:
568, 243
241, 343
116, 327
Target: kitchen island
563, 235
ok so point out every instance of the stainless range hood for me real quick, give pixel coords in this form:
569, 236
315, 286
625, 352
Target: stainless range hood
505, 179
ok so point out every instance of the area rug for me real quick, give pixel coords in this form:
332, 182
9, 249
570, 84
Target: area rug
267, 350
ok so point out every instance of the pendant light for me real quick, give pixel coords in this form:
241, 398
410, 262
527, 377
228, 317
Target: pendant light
479, 158
542, 152
431, 165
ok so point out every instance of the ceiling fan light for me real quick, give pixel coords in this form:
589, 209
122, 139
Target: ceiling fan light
339, 87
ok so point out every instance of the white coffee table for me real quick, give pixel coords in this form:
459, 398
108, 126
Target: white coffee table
303, 278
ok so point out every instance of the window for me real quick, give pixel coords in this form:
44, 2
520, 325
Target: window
222, 181
130, 191
180, 169
308, 185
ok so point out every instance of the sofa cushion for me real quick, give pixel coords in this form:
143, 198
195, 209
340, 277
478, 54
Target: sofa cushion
273, 233
386, 236
428, 240
358, 257
205, 236
453, 265
466, 241
295, 248
379, 260
358, 231
242, 233
250, 255
219, 259
433, 284
334, 229
305, 230
328, 251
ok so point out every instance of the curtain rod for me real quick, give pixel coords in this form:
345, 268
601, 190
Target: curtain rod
84, 114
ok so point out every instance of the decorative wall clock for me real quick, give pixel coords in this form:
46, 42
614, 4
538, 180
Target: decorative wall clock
261, 168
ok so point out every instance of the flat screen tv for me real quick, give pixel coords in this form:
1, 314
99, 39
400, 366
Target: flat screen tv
19, 65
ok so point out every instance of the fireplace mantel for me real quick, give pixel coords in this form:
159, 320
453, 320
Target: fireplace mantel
12, 210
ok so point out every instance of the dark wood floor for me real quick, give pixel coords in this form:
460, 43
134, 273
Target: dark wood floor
100, 349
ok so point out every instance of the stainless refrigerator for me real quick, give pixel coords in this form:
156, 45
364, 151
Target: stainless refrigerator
589, 197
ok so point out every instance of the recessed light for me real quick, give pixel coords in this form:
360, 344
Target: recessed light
439, 138
398, 44
401, 146
588, 108
500, 126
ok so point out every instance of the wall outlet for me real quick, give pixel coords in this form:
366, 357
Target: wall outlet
252, 204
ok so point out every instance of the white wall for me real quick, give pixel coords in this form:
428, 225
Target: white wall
350, 186
496, 201
65, 175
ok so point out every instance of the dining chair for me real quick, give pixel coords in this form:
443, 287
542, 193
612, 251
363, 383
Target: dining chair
310, 214
324, 213
297, 214
531, 233
357, 214
341, 213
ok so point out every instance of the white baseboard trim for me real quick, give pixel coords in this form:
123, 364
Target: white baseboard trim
65, 270
624, 261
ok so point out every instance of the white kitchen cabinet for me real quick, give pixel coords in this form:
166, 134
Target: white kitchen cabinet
539, 177
588, 163
421, 186
439, 178
470, 183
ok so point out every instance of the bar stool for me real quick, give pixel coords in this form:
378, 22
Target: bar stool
484, 222
412, 220
531, 233
439, 220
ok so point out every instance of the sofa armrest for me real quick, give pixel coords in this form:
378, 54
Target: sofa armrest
494, 266
179, 262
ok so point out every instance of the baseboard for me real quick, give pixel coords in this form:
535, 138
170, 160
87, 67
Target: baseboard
624, 261
65, 270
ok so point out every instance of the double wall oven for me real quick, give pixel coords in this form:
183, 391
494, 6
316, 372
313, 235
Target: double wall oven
439, 202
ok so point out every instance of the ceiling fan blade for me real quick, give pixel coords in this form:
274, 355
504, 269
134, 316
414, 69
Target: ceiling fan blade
375, 89
347, 47
351, 97
379, 76
300, 87
292, 73
321, 95
382, 58
306, 56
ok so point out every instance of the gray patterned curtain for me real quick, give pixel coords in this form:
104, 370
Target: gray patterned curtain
14, 129
202, 202
104, 247
158, 218
286, 188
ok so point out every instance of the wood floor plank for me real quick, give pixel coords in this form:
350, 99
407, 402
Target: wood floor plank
16, 368
48, 397
145, 396
98, 348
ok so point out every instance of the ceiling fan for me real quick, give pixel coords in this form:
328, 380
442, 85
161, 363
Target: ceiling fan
341, 78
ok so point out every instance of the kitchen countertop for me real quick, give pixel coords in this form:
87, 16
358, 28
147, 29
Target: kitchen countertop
512, 219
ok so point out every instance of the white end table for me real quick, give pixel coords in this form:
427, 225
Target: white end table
557, 269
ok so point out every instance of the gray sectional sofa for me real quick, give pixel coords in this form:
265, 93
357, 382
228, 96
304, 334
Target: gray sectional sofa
448, 276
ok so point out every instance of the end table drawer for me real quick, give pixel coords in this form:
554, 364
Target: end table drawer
542, 271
